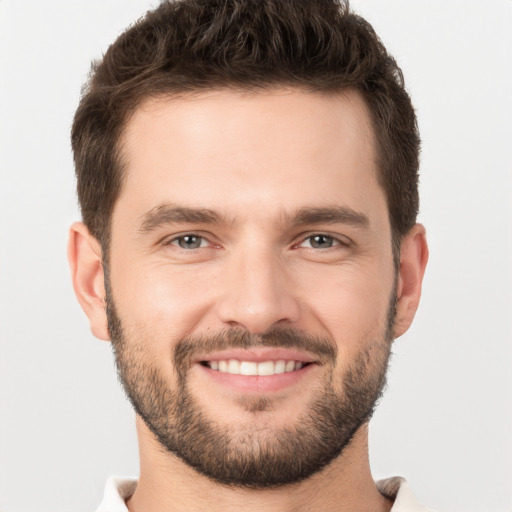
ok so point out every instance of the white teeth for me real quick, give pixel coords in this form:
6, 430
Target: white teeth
280, 366
236, 367
248, 368
290, 366
266, 368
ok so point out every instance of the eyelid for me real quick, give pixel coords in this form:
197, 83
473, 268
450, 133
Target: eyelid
342, 240
168, 240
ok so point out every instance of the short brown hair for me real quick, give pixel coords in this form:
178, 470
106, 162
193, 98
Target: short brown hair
193, 45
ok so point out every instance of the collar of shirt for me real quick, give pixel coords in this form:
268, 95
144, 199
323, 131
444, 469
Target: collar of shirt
119, 489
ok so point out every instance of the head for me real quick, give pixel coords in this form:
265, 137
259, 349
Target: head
247, 174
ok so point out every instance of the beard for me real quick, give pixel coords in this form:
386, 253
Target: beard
257, 455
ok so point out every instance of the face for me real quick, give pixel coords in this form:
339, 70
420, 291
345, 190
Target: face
251, 285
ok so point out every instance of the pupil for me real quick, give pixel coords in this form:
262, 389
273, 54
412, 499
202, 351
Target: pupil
190, 242
321, 241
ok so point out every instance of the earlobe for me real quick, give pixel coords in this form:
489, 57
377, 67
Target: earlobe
413, 261
85, 261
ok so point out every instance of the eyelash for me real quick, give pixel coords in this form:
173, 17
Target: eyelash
336, 241
175, 240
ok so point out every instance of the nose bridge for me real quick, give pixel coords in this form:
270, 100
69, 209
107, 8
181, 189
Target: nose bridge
257, 293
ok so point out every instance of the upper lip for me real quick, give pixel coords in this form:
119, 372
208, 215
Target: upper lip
258, 355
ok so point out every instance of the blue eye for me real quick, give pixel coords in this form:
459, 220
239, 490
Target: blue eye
320, 241
189, 241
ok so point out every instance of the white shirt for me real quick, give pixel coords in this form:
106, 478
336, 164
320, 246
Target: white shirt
118, 489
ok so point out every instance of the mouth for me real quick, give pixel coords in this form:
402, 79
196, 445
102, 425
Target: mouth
257, 370
263, 368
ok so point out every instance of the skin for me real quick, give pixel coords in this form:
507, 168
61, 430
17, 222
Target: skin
254, 159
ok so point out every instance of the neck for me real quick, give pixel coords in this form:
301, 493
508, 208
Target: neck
167, 484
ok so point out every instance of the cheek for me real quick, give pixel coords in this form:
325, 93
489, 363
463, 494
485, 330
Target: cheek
353, 306
161, 303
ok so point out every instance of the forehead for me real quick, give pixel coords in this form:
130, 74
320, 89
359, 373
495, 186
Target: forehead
276, 147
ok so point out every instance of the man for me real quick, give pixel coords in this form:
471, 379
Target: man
247, 175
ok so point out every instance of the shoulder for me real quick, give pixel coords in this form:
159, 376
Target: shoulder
117, 490
398, 490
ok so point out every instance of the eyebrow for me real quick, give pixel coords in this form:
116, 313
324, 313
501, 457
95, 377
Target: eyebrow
170, 213
329, 215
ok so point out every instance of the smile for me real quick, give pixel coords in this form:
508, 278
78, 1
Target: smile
263, 368
258, 369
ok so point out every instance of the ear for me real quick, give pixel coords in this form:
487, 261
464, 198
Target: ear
85, 260
413, 260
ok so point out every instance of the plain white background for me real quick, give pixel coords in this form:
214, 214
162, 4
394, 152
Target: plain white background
445, 422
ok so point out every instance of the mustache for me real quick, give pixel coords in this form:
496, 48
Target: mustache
325, 350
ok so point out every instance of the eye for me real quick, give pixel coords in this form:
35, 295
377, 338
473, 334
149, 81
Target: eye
321, 241
190, 241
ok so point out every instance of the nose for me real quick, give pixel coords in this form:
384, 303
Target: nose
258, 293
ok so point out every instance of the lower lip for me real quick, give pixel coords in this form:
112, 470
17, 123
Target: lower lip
258, 383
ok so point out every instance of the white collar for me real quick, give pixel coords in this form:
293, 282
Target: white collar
397, 489
118, 489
